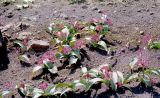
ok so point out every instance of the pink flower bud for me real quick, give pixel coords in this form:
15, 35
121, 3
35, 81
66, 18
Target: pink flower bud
95, 38
66, 50
50, 55
43, 85
99, 28
79, 44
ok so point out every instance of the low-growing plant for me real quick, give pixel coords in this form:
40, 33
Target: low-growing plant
6, 2
104, 74
45, 62
141, 72
71, 38
5, 93
154, 45
76, 1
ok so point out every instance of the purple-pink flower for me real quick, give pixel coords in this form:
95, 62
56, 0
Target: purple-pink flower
60, 26
94, 21
7, 85
95, 38
78, 25
143, 58
146, 39
50, 55
106, 71
79, 44
43, 85
99, 28
61, 34
66, 50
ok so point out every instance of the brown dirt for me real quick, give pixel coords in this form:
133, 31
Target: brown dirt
129, 19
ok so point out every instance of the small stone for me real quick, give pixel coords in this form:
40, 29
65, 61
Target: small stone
141, 32
38, 45
64, 16
94, 8
99, 11
24, 26
151, 13
24, 35
10, 15
84, 7
123, 50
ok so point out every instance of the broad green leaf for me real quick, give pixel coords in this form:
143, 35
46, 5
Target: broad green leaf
50, 66
114, 77
147, 82
36, 90
76, 53
113, 85
24, 58
37, 95
133, 63
66, 31
52, 90
22, 46
96, 80
73, 60
155, 45
65, 91
59, 56
103, 45
84, 70
105, 30
95, 45
37, 70
132, 76
63, 85
120, 76
4, 93
54, 70
55, 41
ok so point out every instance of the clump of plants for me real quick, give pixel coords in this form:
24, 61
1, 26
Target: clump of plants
69, 41
6, 2
76, 1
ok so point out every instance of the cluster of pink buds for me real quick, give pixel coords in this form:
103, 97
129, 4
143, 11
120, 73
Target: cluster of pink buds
61, 34
7, 85
95, 38
147, 39
99, 28
79, 44
60, 26
154, 81
78, 25
119, 84
143, 58
106, 71
106, 20
87, 75
25, 41
66, 50
50, 55
94, 21
43, 85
